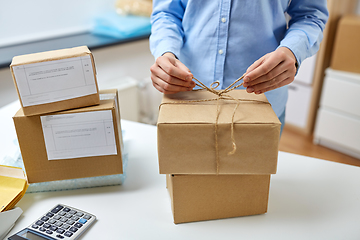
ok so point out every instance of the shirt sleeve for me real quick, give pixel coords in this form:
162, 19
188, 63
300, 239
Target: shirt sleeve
305, 31
166, 27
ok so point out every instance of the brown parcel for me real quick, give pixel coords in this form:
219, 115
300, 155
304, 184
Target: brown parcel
73, 102
346, 52
40, 169
207, 197
186, 135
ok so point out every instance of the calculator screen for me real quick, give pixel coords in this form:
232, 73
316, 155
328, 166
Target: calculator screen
32, 236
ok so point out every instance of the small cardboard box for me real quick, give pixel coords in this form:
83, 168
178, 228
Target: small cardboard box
187, 134
55, 80
207, 197
77, 143
346, 52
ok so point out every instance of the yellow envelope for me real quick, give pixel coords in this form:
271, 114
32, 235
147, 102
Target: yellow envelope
13, 185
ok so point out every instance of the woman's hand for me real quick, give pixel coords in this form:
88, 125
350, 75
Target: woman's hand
271, 71
169, 75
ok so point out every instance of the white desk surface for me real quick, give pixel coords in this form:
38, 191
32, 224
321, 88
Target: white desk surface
309, 199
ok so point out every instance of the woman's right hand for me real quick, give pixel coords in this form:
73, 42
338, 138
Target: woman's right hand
169, 75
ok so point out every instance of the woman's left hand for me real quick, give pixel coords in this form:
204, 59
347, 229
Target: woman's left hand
273, 70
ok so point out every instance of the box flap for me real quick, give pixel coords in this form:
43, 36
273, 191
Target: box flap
50, 55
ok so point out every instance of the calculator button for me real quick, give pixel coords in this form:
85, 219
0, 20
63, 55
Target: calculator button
70, 222
78, 225
58, 224
49, 232
64, 219
82, 220
79, 214
46, 225
51, 221
57, 209
42, 229
73, 229
44, 218
53, 228
75, 218
49, 214
39, 222
65, 226
66, 209
72, 212
60, 230
68, 234
60, 236
68, 215
56, 217
87, 217
62, 213
35, 226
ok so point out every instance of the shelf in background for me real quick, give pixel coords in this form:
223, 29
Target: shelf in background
88, 39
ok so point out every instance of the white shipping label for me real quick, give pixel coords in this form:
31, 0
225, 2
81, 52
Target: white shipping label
52, 81
78, 135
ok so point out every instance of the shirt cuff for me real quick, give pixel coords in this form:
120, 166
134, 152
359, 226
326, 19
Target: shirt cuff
296, 41
161, 49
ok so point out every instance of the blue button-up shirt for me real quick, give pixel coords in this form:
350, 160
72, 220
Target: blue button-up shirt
219, 39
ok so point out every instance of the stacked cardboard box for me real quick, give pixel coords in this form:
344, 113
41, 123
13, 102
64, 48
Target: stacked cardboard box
66, 128
206, 180
346, 51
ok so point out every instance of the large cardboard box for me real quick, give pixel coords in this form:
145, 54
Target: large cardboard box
55, 80
188, 132
346, 52
77, 143
207, 197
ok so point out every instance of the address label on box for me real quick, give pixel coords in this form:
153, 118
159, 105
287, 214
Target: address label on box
52, 81
79, 135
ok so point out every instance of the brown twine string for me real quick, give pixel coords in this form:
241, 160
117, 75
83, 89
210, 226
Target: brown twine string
221, 94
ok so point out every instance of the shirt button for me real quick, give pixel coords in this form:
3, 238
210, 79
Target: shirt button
221, 51
223, 19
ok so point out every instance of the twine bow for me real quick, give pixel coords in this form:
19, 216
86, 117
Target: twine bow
221, 94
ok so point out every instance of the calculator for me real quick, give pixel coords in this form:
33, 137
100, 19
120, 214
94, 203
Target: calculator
60, 222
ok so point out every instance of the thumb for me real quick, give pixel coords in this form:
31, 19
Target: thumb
188, 75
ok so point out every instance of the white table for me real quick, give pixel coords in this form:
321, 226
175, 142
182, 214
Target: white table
309, 199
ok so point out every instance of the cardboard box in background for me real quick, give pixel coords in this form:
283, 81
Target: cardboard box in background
55, 80
346, 52
186, 134
77, 143
207, 197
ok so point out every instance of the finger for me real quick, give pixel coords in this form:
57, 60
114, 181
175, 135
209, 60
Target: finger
256, 64
173, 80
161, 89
279, 69
280, 84
168, 87
266, 66
263, 87
182, 66
172, 68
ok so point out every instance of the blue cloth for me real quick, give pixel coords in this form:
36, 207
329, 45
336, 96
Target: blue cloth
117, 26
219, 39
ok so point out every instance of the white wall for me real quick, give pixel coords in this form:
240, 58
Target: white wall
24, 20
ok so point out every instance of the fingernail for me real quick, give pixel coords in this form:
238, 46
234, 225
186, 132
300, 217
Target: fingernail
188, 78
250, 90
245, 84
257, 92
246, 79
